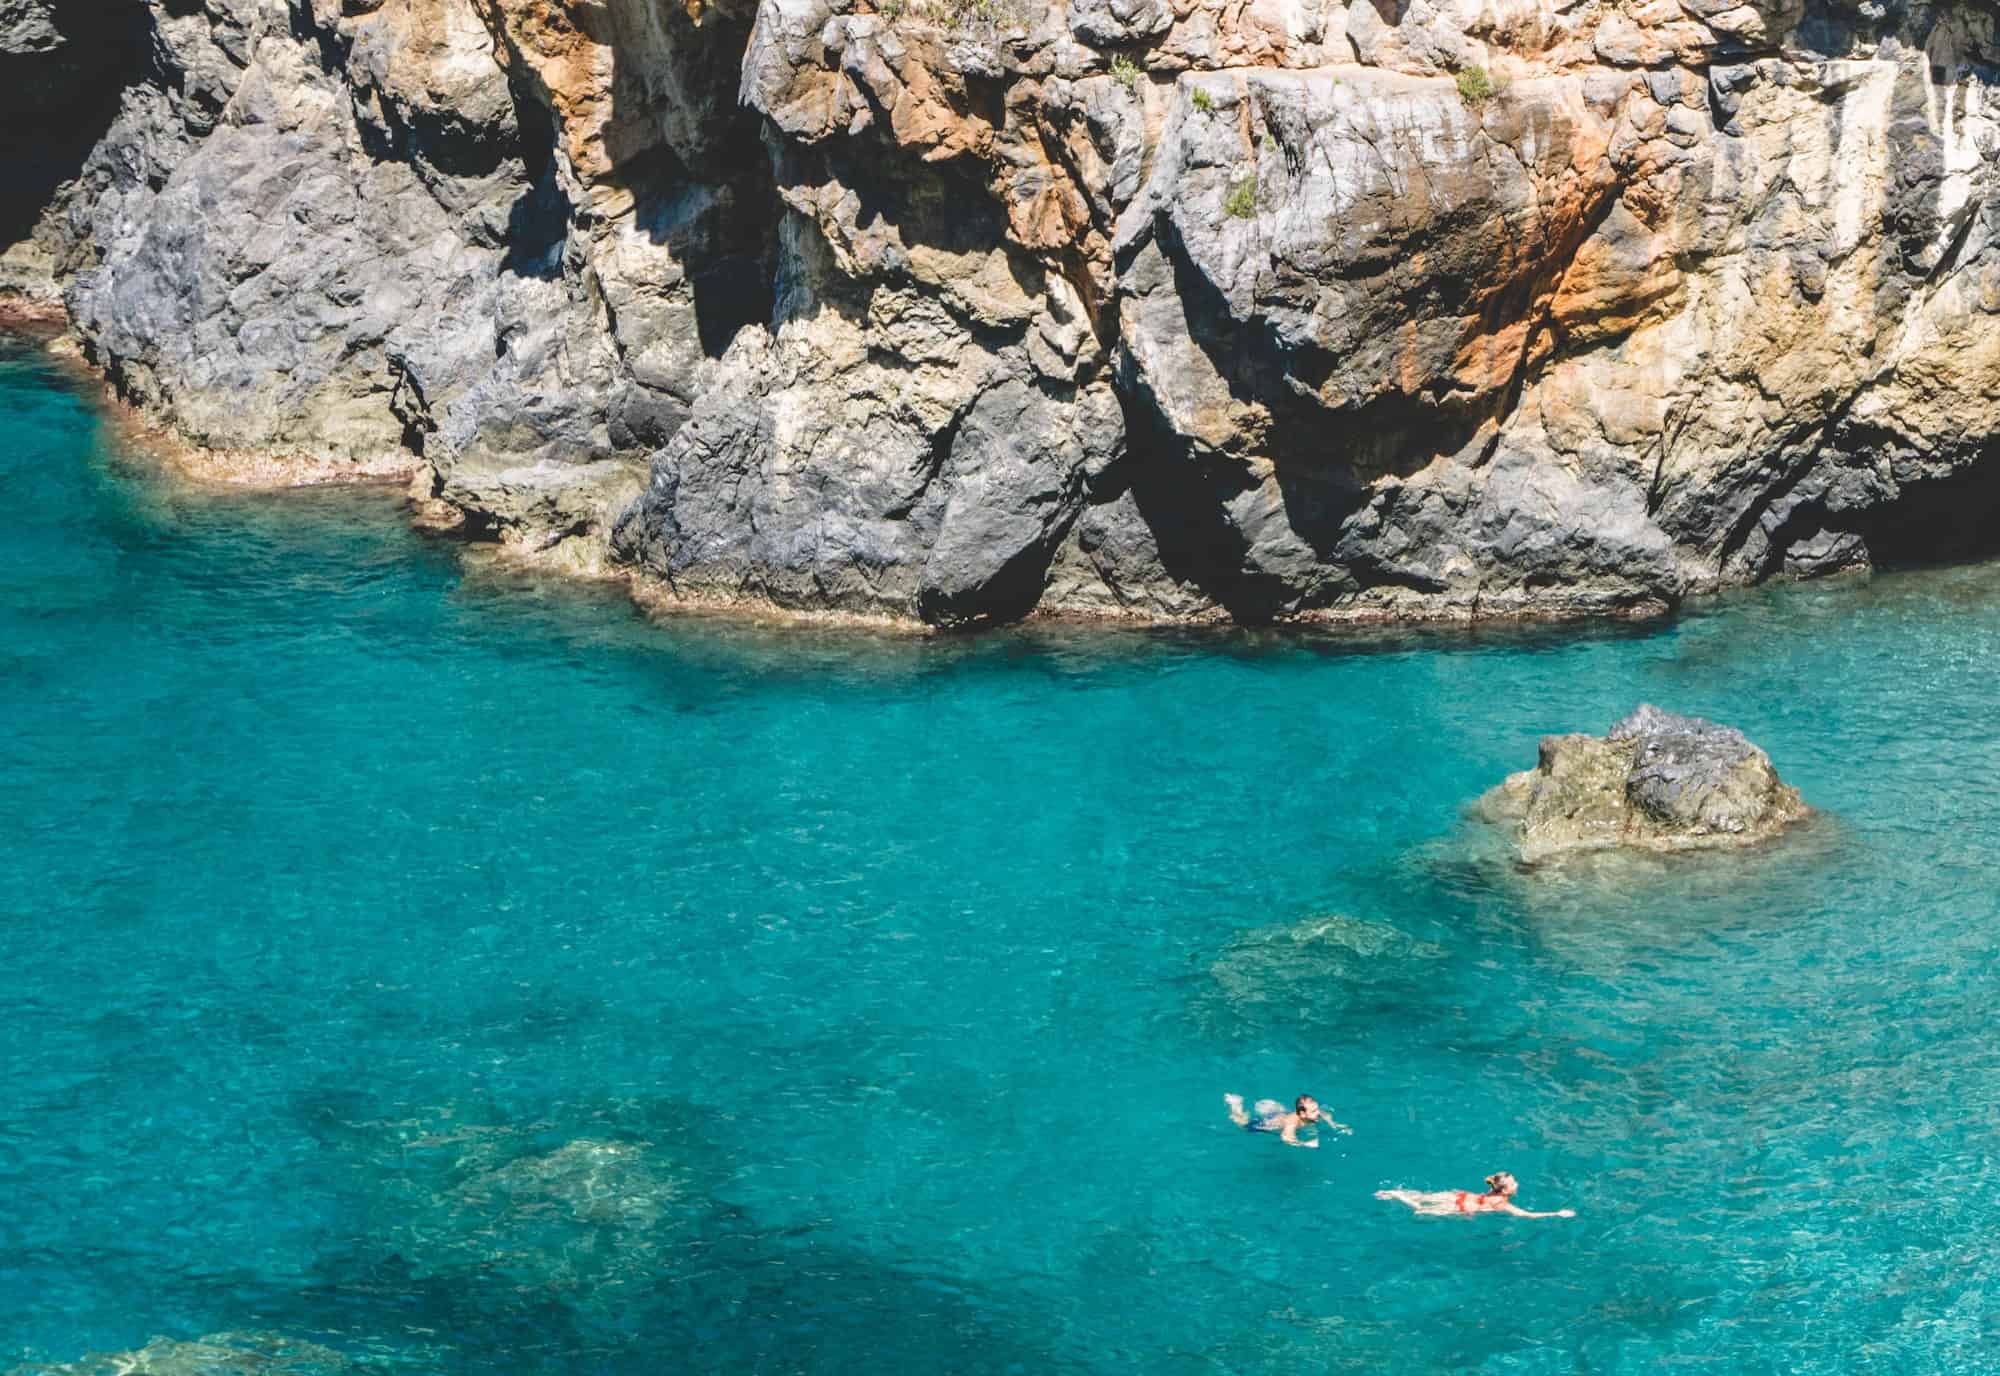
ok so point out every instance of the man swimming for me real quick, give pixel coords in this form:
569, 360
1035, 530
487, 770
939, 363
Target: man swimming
1498, 1199
1272, 1117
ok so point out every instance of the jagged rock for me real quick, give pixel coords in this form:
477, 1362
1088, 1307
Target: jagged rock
958, 311
1656, 781
1107, 23
28, 26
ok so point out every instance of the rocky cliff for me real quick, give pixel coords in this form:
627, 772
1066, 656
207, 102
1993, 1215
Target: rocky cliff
958, 309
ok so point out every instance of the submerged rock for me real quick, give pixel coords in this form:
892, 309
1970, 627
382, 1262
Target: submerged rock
585, 1218
1303, 969
219, 1354
611, 1184
1657, 780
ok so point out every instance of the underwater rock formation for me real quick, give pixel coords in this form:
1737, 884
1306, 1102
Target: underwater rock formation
1656, 781
1319, 972
1251, 309
589, 1216
220, 1354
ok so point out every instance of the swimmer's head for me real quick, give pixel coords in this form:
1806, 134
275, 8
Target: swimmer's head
1306, 1107
1501, 1183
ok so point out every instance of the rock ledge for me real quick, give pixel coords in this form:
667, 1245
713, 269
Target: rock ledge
1657, 781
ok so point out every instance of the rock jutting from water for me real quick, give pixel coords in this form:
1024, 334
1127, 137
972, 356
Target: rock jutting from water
1656, 780
954, 312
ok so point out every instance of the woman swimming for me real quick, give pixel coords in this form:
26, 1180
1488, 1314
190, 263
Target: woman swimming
1498, 1199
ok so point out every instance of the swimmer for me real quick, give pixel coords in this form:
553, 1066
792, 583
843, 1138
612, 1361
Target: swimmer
1498, 1199
1272, 1117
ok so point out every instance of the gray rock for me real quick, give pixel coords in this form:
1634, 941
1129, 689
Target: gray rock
1016, 471
1656, 781
28, 27
1111, 23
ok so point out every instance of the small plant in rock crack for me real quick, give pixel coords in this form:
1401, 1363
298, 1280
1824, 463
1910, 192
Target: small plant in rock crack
1124, 71
1202, 100
1268, 144
1475, 87
1241, 203
959, 18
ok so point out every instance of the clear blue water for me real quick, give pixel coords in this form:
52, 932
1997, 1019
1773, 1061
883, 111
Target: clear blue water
464, 974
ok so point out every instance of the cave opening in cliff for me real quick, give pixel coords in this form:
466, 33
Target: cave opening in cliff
59, 93
538, 221
1946, 520
721, 232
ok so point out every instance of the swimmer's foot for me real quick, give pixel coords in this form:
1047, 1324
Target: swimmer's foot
1236, 1113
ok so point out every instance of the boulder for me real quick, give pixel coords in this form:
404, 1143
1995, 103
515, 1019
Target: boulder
1657, 781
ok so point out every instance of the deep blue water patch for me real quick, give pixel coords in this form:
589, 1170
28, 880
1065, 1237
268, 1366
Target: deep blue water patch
460, 973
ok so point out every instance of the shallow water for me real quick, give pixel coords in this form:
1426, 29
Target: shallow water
458, 973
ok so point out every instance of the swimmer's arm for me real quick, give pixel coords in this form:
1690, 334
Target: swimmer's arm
1339, 1127
1519, 1212
1289, 1134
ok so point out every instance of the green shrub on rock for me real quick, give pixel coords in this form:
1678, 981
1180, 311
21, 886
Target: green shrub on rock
1241, 203
1475, 87
1202, 100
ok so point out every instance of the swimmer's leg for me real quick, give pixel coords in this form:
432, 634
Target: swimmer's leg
1236, 1113
1413, 1198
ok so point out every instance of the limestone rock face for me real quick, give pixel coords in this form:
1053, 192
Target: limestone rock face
957, 312
1656, 780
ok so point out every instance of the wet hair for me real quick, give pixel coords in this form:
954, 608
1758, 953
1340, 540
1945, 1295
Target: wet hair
1299, 1104
1493, 1182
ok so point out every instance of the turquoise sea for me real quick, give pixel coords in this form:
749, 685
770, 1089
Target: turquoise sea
409, 967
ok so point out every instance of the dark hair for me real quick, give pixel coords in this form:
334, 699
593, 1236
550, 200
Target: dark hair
1299, 1104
